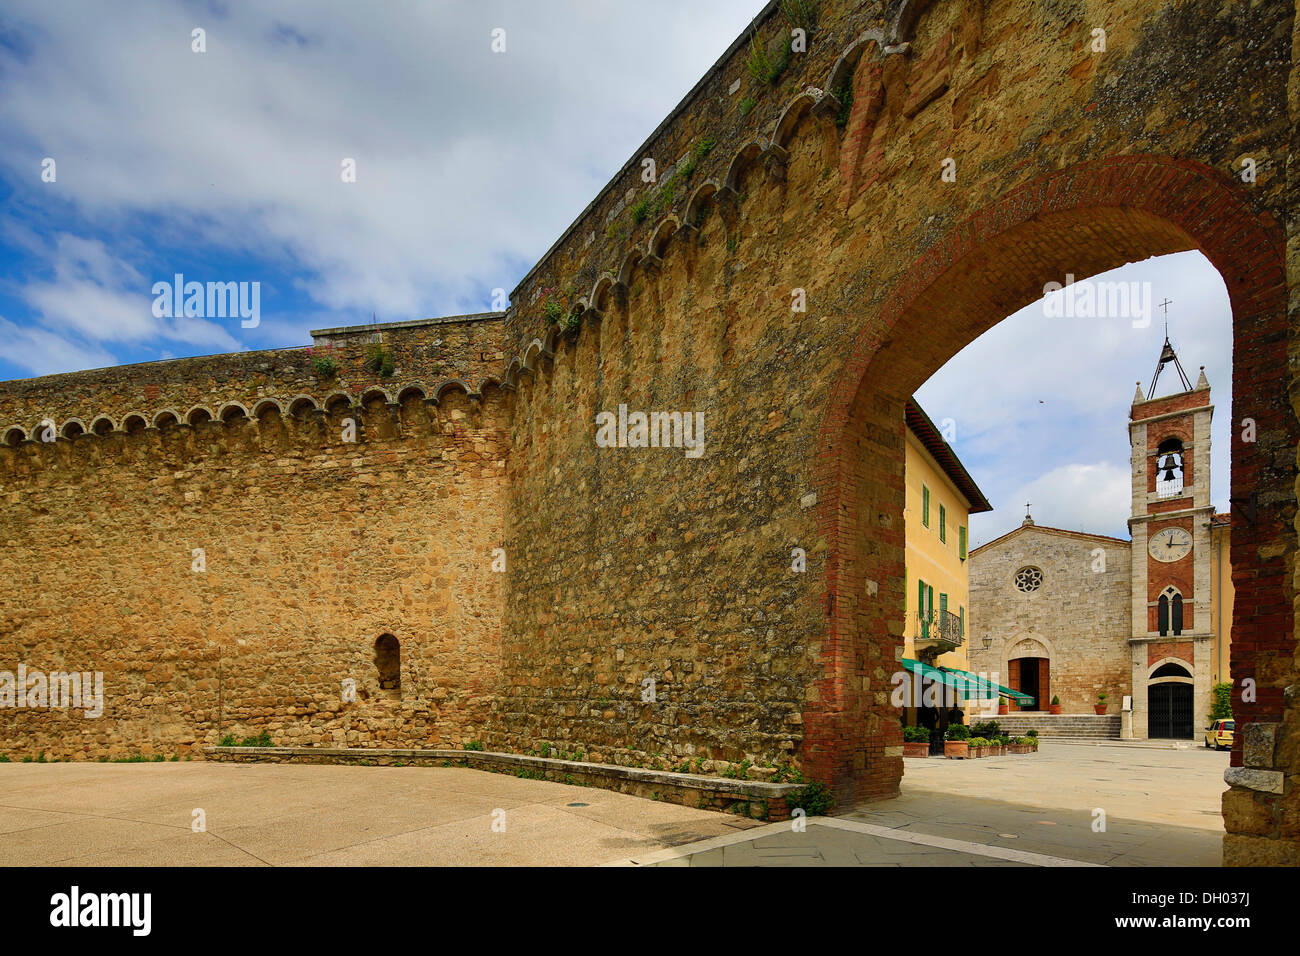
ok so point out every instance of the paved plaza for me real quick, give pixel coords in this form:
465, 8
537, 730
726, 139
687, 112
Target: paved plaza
1161, 809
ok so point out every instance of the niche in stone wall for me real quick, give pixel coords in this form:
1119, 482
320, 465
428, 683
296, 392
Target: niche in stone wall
388, 662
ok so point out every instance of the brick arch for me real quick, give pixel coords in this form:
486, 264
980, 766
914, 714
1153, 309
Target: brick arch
1084, 220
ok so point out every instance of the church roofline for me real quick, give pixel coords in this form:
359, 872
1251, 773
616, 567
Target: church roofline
932, 441
1038, 527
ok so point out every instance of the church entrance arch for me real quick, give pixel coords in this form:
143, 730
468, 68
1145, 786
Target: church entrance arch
1029, 669
1170, 702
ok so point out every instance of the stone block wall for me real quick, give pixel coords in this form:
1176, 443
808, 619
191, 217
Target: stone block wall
313, 546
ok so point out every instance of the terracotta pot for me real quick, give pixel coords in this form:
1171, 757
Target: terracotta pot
958, 749
1002, 710
1053, 708
1100, 708
918, 748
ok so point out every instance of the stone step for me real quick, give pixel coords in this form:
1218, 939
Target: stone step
1061, 726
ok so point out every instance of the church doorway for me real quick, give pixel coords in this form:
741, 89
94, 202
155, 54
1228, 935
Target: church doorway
1171, 711
1030, 675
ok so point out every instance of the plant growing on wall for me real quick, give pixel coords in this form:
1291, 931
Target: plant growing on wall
553, 305
380, 361
324, 361
815, 799
800, 13
700, 150
765, 66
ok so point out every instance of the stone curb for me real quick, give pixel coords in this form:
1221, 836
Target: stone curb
710, 790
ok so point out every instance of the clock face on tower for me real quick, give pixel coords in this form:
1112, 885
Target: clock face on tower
1170, 544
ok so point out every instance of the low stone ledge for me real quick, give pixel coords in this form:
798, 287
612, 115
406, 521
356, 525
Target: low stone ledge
1265, 781
753, 798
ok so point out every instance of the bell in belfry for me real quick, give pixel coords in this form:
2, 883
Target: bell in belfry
1169, 465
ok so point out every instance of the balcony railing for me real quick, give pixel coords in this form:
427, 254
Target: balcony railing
943, 627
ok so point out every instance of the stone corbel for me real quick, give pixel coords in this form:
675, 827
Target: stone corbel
775, 159
827, 108
652, 264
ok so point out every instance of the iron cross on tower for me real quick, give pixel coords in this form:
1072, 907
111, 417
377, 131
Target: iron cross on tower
1165, 306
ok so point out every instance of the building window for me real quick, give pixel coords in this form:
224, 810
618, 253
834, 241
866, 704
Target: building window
961, 542
1029, 579
1169, 612
943, 524
925, 506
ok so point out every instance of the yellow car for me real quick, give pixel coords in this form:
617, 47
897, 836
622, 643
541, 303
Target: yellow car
1219, 734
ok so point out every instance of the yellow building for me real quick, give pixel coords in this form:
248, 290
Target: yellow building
1221, 594
941, 496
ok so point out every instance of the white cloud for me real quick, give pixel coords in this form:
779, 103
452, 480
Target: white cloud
45, 353
99, 298
469, 163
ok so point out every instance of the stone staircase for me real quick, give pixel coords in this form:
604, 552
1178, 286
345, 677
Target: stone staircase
1063, 727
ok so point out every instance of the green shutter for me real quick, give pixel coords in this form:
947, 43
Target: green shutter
929, 600
925, 506
920, 606
961, 541
943, 604
943, 524
961, 621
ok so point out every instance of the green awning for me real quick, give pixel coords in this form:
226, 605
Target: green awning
969, 685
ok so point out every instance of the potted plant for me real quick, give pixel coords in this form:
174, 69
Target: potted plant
1002, 706
1100, 706
916, 742
1017, 746
1004, 742
976, 747
1031, 741
1055, 706
955, 741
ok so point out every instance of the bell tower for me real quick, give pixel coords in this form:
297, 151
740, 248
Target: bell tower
1171, 554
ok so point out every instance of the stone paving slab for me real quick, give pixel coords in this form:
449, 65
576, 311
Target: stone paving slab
92, 814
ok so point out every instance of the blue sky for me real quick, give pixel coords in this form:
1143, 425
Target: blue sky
225, 166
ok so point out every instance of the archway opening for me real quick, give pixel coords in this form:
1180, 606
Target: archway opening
1075, 224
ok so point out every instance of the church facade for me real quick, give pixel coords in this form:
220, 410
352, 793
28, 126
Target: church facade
1068, 616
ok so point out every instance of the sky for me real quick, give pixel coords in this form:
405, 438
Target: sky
227, 165
1039, 404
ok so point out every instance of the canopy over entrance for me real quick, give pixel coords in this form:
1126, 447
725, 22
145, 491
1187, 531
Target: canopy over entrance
968, 685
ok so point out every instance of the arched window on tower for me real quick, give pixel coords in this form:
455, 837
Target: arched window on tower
1169, 611
1169, 468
